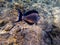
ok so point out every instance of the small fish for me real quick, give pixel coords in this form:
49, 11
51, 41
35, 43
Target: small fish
31, 17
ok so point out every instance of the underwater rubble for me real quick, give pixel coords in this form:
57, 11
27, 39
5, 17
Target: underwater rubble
45, 32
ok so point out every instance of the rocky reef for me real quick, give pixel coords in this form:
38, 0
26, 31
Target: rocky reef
45, 32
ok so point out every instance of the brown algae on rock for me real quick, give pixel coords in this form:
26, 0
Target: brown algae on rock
16, 32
